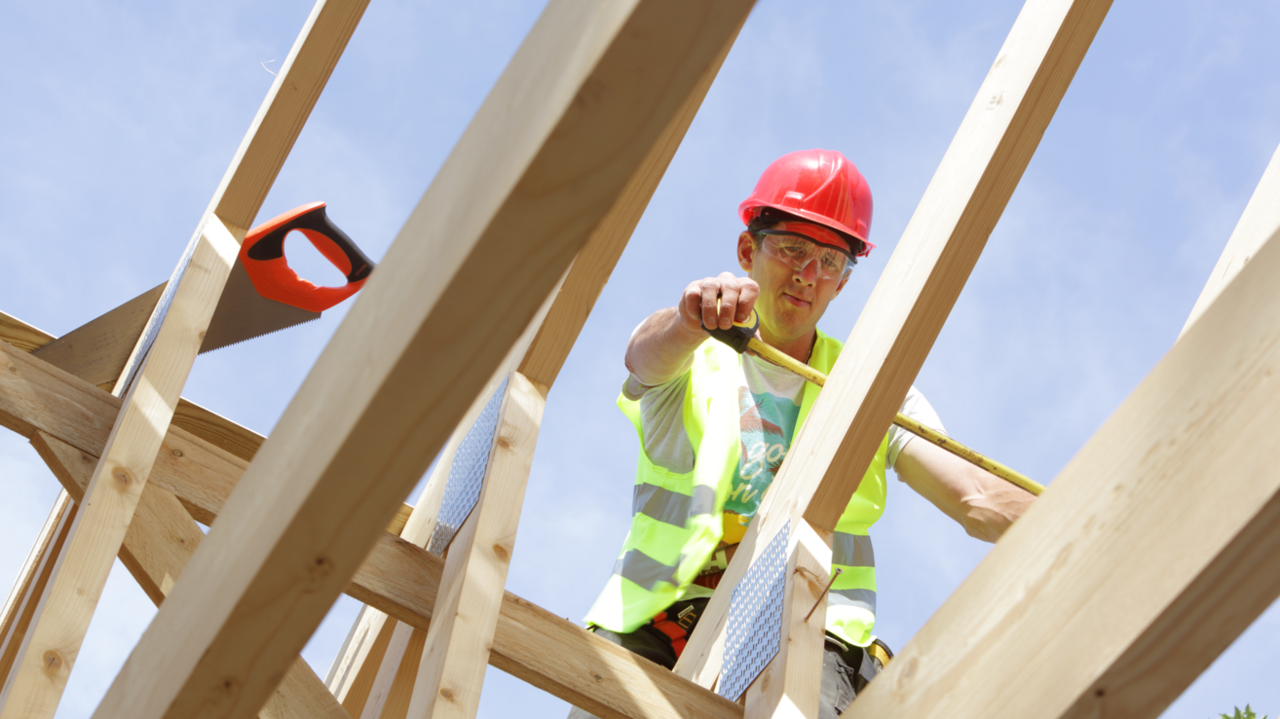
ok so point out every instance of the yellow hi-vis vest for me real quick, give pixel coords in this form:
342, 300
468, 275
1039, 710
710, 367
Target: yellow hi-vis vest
676, 522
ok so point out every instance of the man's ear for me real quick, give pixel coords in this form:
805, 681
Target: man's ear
746, 251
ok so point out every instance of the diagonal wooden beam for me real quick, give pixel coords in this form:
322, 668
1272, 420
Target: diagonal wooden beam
368, 674
542, 358
29, 589
1258, 224
160, 541
398, 577
48, 652
220, 431
218, 460
392, 686
566, 127
913, 297
353, 675
456, 649
285, 110
1153, 549
791, 685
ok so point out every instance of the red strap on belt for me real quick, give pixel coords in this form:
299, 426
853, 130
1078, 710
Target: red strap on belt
674, 632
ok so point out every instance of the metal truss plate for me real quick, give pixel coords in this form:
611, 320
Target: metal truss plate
754, 634
466, 474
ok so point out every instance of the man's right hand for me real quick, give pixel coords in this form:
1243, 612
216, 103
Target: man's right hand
661, 347
736, 295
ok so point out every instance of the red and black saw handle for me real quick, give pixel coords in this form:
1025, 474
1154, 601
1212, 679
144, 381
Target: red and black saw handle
262, 254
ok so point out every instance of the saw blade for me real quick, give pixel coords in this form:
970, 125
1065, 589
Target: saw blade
243, 314
98, 350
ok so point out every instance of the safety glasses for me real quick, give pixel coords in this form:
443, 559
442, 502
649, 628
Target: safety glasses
797, 251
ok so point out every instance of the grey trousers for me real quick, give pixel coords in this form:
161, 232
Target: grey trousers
845, 669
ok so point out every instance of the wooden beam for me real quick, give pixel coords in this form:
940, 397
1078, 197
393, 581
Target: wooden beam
913, 297
1153, 549
395, 675
355, 669
160, 541
36, 386
49, 650
545, 353
565, 128
591, 269
360, 672
222, 432
1259, 223
285, 110
29, 588
466, 612
22, 335
790, 686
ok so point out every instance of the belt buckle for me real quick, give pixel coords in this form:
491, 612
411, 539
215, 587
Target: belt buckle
687, 618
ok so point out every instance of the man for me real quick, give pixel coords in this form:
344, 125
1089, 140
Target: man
714, 427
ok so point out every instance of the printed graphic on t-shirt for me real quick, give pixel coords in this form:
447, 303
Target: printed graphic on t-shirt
768, 424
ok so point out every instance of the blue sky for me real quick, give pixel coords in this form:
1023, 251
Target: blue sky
120, 118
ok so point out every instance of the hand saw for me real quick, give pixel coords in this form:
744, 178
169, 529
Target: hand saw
262, 295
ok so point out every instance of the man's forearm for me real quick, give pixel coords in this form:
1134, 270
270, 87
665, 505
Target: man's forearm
661, 347
982, 503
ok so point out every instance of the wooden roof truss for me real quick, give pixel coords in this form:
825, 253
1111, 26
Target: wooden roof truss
1080, 609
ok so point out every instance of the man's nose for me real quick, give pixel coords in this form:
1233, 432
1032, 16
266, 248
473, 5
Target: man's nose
807, 274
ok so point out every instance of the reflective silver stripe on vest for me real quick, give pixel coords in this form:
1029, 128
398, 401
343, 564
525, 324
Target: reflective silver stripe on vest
644, 570
672, 507
852, 550
862, 598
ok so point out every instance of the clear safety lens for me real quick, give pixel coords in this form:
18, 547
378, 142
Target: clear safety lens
797, 252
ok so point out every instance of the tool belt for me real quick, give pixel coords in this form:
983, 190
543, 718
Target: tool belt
678, 625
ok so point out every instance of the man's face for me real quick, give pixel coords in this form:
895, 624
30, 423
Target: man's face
791, 300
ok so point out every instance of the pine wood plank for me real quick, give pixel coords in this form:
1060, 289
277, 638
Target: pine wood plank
398, 577
919, 286
591, 269
557, 334
22, 335
35, 395
393, 674
397, 703
791, 684
201, 422
156, 548
285, 110
48, 652
1259, 223
355, 670
29, 588
217, 430
1153, 549
358, 672
532, 176
465, 616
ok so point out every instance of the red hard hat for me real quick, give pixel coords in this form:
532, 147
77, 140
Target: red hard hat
820, 186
